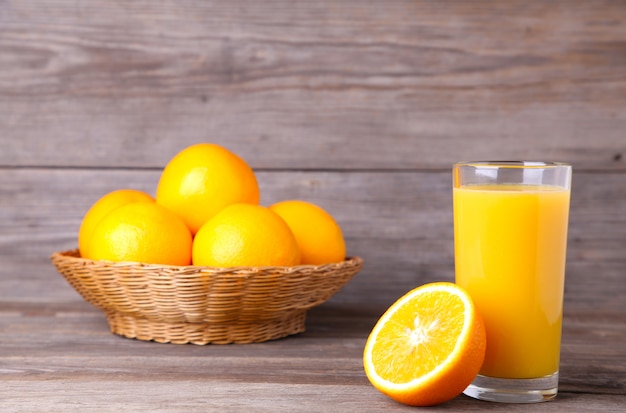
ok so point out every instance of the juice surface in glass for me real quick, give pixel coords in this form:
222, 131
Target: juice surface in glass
510, 245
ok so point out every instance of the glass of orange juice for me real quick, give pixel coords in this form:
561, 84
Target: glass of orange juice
510, 238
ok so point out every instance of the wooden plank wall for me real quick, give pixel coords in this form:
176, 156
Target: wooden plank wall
360, 106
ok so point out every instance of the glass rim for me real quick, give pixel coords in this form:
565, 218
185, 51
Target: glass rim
512, 164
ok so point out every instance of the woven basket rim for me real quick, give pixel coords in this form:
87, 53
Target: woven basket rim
203, 304
74, 255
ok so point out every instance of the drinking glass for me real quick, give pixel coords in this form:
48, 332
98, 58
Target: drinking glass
510, 239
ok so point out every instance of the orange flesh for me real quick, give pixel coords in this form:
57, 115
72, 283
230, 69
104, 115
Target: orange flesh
422, 336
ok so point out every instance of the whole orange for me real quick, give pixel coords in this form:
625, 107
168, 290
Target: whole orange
245, 235
319, 237
101, 208
202, 179
142, 232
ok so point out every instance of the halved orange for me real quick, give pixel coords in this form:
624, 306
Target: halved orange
427, 347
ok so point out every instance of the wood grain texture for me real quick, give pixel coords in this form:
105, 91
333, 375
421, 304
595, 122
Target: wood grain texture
359, 106
405, 236
319, 370
121, 84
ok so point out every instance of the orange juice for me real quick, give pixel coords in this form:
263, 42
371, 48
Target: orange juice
510, 244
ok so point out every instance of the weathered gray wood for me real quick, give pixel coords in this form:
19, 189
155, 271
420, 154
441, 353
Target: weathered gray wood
400, 223
80, 366
91, 395
410, 84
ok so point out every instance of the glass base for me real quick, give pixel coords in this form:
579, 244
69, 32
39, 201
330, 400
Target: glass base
514, 390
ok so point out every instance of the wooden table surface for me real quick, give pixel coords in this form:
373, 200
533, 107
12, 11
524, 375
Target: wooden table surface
61, 357
359, 106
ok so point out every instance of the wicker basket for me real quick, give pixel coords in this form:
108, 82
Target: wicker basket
203, 305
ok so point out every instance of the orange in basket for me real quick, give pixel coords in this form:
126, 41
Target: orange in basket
245, 235
319, 237
101, 208
202, 179
142, 232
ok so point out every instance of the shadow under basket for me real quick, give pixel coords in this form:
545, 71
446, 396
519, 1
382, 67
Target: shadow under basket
202, 305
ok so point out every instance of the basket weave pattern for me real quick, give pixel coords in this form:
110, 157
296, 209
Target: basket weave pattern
203, 305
